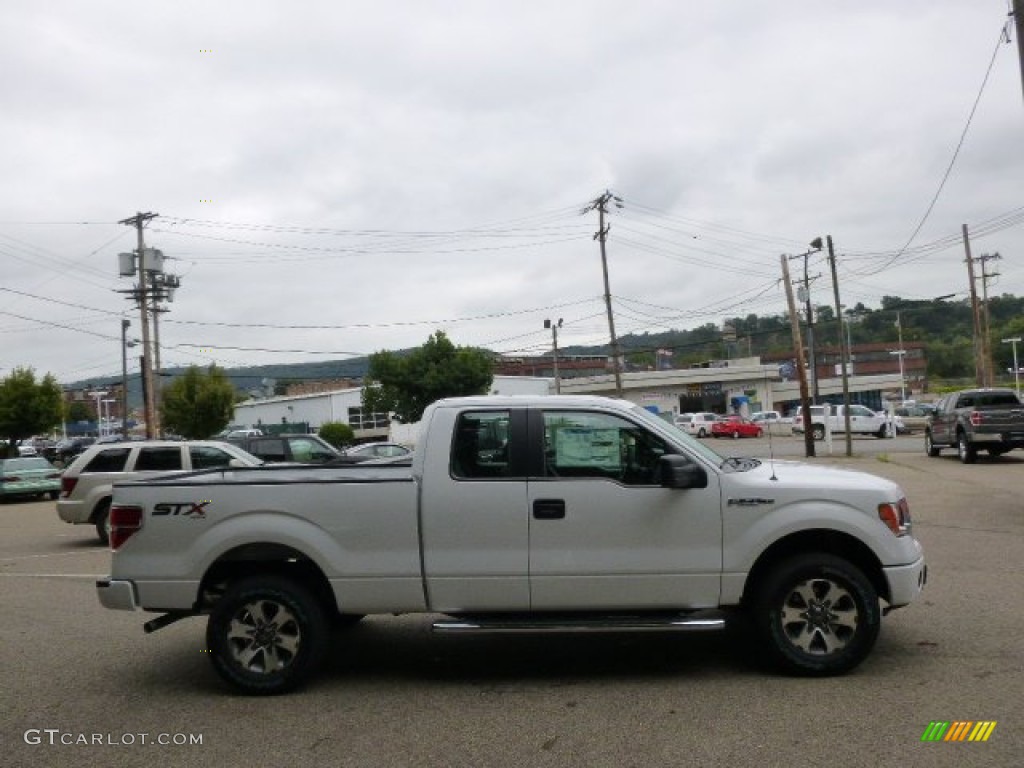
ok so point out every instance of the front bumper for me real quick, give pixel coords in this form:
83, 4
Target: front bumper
906, 582
117, 594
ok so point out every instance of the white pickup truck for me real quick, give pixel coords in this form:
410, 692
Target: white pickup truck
519, 514
863, 421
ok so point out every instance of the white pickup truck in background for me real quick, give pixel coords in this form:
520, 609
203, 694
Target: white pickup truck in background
863, 421
519, 514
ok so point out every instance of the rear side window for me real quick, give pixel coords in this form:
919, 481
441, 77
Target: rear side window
270, 449
158, 459
206, 457
109, 460
998, 398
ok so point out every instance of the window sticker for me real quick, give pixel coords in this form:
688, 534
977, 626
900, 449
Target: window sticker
588, 447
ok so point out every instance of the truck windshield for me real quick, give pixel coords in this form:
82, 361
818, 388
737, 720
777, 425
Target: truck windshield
678, 435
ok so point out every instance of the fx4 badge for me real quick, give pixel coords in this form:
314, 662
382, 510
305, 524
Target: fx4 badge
194, 510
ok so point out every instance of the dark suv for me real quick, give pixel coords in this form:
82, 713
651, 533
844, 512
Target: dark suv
302, 449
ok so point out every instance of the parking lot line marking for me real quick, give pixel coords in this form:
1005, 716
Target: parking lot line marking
53, 554
58, 575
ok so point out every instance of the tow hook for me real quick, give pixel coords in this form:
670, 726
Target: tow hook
163, 621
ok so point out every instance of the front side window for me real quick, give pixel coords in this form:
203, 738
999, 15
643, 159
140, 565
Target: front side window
158, 459
110, 460
480, 448
602, 446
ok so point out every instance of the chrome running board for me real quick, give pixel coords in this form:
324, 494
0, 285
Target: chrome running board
698, 621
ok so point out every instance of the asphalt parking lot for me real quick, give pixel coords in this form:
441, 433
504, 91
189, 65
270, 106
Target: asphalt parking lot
396, 695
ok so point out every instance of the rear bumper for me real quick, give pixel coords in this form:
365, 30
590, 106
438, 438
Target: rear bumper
117, 594
906, 582
72, 511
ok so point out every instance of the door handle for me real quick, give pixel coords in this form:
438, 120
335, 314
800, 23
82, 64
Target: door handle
549, 509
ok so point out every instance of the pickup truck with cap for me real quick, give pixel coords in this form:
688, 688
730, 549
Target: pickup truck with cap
991, 420
519, 514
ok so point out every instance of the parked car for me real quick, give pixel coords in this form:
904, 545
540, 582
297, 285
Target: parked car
27, 450
735, 427
301, 449
29, 476
682, 419
700, 424
70, 447
367, 451
766, 418
87, 484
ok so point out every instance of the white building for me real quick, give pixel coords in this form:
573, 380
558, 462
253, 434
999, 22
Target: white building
346, 406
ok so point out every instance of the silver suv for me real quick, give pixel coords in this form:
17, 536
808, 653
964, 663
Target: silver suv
88, 482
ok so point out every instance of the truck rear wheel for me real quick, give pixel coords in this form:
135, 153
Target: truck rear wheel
968, 453
816, 615
266, 635
818, 432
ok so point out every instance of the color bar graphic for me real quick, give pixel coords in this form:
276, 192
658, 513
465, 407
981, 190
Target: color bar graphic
958, 730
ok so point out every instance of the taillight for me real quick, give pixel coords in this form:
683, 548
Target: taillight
896, 516
976, 417
124, 521
67, 485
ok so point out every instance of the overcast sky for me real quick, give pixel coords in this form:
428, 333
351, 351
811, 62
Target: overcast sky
383, 170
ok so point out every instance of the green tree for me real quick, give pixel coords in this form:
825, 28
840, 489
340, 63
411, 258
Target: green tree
406, 384
78, 410
28, 407
337, 433
198, 405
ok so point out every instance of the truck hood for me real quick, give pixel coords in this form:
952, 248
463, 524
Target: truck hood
811, 481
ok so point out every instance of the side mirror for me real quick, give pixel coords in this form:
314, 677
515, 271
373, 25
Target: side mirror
680, 472
237, 463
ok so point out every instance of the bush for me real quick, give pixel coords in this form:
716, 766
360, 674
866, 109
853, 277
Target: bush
337, 433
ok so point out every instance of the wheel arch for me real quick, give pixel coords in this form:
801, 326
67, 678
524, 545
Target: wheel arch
259, 558
837, 543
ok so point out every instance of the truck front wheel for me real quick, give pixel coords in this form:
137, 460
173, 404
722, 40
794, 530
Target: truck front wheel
266, 635
818, 432
816, 615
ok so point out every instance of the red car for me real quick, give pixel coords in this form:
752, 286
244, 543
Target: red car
735, 427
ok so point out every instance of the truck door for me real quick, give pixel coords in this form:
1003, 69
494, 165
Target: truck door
604, 534
474, 524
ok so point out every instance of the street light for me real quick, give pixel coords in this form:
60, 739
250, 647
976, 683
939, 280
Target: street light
1016, 368
99, 410
903, 389
107, 401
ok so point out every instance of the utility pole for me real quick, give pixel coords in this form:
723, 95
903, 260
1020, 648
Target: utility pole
138, 221
1018, 17
124, 378
794, 319
844, 350
812, 357
979, 365
600, 204
986, 337
554, 342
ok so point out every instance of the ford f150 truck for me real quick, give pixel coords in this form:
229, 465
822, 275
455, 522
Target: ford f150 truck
863, 421
519, 514
976, 419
